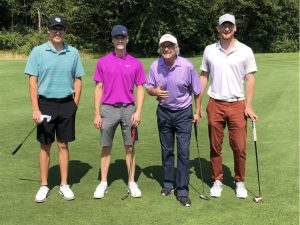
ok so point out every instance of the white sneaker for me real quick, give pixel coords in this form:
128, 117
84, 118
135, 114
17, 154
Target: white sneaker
42, 194
216, 189
241, 191
134, 190
66, 192
101, 189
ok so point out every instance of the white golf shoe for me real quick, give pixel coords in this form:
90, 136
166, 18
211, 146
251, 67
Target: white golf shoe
241, 191
216, 189
101, 189
134, 190
66, 192
42, 194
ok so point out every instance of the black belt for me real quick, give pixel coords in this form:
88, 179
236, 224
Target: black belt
120, 105
58, 100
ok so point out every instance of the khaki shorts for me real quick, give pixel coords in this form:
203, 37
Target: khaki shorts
113, 116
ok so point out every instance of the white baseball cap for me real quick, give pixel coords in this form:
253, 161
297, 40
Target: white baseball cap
168, 37
226, 18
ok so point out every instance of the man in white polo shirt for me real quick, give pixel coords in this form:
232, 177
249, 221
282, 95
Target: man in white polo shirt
228, 64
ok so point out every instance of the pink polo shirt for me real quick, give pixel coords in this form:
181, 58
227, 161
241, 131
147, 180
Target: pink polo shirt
118, 76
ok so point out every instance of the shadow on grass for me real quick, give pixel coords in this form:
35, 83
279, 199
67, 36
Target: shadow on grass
155, 173
77, 170
118, 170
206, 171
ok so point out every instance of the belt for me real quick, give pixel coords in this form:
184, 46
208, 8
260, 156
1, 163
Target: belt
230, 100
57, 100
119, 105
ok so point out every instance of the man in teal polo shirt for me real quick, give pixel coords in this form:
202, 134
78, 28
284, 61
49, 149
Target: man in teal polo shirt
54, 69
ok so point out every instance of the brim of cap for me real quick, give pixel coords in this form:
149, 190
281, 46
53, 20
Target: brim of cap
227, 22
55, 24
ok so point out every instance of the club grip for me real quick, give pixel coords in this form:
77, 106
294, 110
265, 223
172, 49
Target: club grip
17, 149
196, 130
254, 131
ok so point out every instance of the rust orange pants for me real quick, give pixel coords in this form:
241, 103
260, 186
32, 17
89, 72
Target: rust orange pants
232, 114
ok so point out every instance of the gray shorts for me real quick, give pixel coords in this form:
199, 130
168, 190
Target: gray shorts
111, 118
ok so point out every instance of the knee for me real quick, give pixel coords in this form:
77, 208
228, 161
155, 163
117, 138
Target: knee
62, 146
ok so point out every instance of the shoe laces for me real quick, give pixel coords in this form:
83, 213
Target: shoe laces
133, 185
102, 185
217, 184
240, 185
65, 187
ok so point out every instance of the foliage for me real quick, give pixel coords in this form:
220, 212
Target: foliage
266, 26
276, 102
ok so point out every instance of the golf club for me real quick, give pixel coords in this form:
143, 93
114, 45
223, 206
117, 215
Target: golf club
48, 118
133, 136
202, 196
257, 199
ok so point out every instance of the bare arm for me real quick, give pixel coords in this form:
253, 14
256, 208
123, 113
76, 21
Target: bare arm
77, 87
250, 83
33, 92
158, 92
140, 95
97, 102
203, 81
197, 109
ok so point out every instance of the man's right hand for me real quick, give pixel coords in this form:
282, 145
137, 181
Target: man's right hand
97, 122
161, 94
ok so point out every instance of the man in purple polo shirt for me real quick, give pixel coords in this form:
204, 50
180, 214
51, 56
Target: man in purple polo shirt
115, 76
174, 80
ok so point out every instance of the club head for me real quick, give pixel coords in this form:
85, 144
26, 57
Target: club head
258, 199
47, 117
204, 197
125, 196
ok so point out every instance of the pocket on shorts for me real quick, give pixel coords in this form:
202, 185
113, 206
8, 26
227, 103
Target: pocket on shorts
105, 111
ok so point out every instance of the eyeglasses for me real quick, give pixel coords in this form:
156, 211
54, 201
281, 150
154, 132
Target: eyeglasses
57, 29
163, 47
227, 26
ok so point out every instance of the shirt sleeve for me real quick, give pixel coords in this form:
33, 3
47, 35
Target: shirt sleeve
79, 71
140, 78
32, 63
250, 66
204, 66
98, 73
151, 82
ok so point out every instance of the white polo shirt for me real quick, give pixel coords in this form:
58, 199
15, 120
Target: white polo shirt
227, 71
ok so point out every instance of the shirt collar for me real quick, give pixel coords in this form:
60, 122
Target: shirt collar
235, 48
177, 62
50, 48
123, 57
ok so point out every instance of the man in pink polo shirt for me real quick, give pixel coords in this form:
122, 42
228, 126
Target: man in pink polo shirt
114, 101
229, 65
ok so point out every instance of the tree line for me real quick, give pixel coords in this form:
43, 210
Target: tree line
264, 25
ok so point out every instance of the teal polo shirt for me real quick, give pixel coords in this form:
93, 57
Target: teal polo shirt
56, 71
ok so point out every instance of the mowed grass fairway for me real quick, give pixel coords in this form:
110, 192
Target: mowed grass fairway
276, 102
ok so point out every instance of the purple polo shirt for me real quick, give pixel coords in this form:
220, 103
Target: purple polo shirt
118, 76
181, 81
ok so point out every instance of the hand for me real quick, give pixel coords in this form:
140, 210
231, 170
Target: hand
97, 122
36, 116
250, 114
196, 118
161, 94
135, 119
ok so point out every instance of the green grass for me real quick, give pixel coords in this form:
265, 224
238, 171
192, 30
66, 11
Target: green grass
276, 102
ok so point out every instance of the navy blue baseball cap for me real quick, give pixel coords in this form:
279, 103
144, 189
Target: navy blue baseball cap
119, 30
57, 20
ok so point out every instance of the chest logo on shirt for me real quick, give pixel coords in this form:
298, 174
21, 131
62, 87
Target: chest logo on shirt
127, 65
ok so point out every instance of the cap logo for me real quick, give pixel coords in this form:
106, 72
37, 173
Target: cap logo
123, 32
57, 19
